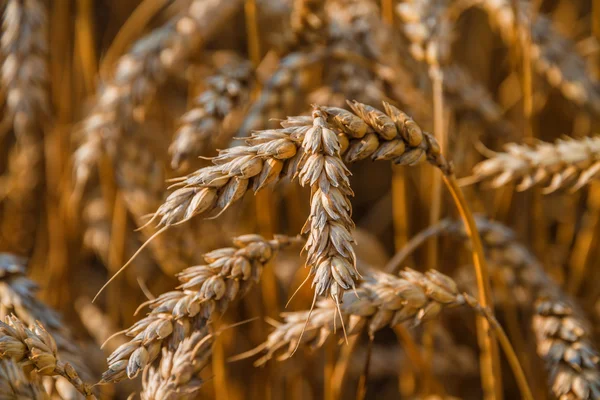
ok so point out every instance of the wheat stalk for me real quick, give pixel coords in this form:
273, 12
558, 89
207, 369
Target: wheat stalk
229, 274
15, 384
35, 348
226, 90
565, 163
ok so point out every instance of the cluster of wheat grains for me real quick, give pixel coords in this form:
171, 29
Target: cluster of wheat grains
15, 384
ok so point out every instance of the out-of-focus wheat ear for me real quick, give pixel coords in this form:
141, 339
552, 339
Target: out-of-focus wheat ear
205, 289
34, 346
564, 342
18, 297
121, 102
16, 384
553, 56
228, 89
280, 93
566, 163
24, 76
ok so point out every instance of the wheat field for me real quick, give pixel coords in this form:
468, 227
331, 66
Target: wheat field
300, 199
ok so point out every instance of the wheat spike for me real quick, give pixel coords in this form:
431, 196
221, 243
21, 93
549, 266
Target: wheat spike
565, 163
382, 300
16, 384
552, 54
35, 348
177, 375
227, 89
330, 254
205, 289
565, 344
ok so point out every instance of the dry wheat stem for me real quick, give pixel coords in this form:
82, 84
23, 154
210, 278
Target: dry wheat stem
15, 384
565, 163
35, 349
228, 89
205, 289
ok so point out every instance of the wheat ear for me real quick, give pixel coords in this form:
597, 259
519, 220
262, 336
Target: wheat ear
565, 163
228, 89
35, 348
205, 289
16, 384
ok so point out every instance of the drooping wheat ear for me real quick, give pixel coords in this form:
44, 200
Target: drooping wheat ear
121, 101
565, 344
267, 154
280, 93
17, 297
16, 384
25, 80
205, 289
34, 349
565, 163
429, 27
552, 54
330, 254
177, 375
227, 89
382, 300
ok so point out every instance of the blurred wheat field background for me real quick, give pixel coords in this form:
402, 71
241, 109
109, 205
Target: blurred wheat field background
423, 219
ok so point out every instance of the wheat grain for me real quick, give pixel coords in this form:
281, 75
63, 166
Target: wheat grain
565, 163
226, 90
16, 385
205, 289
